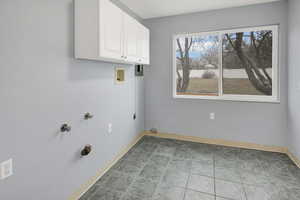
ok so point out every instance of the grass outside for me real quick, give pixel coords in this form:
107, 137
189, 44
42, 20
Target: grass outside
209, 87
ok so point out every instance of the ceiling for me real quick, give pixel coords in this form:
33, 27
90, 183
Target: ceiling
159, 8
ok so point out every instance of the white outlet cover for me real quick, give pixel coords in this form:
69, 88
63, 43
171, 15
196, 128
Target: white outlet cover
212, 116
109, 127
6, 169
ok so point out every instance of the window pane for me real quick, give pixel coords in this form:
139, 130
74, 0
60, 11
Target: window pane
247, 63
197, 65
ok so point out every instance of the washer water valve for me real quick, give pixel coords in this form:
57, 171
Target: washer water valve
86, 150
88, 116
65, 128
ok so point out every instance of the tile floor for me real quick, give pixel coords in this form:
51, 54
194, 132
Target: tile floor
165, 169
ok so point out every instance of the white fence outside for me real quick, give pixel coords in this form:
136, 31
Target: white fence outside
228, 73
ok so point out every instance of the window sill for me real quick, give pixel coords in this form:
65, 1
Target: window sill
239, 98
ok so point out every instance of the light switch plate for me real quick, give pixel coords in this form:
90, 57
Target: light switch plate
6, 168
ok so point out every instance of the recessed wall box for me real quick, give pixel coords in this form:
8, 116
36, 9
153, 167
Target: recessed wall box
120, 75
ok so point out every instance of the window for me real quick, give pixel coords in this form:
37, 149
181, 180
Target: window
239, 64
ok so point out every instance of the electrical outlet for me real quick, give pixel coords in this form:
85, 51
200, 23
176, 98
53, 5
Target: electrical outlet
212, 116
6, 169
109, 130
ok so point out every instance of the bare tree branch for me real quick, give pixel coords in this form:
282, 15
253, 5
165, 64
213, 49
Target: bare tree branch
254, 74
263, 39
267, 75
253, 40
230, 41
178, 74
180, 48
190, 44
257, 52
179, 58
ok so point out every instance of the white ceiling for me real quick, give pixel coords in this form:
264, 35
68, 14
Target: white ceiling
159, 8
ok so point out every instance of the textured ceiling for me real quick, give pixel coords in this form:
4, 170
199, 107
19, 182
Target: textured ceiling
160, 8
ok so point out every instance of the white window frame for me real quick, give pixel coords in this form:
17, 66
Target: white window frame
275, 98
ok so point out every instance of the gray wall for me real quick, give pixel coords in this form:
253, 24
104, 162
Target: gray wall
294, 79
261, 123
43, 86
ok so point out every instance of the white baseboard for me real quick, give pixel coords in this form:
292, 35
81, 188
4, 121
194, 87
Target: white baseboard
219, 142
293, 158
228, 143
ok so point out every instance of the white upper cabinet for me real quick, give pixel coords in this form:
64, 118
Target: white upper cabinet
130, 39
104, 32
111, 30
143, 45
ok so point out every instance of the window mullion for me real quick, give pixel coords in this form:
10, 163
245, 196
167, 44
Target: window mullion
220, 65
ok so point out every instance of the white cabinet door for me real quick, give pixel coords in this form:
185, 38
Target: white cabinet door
104, 32
146, 46
143, 45
131, 31
111, 30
